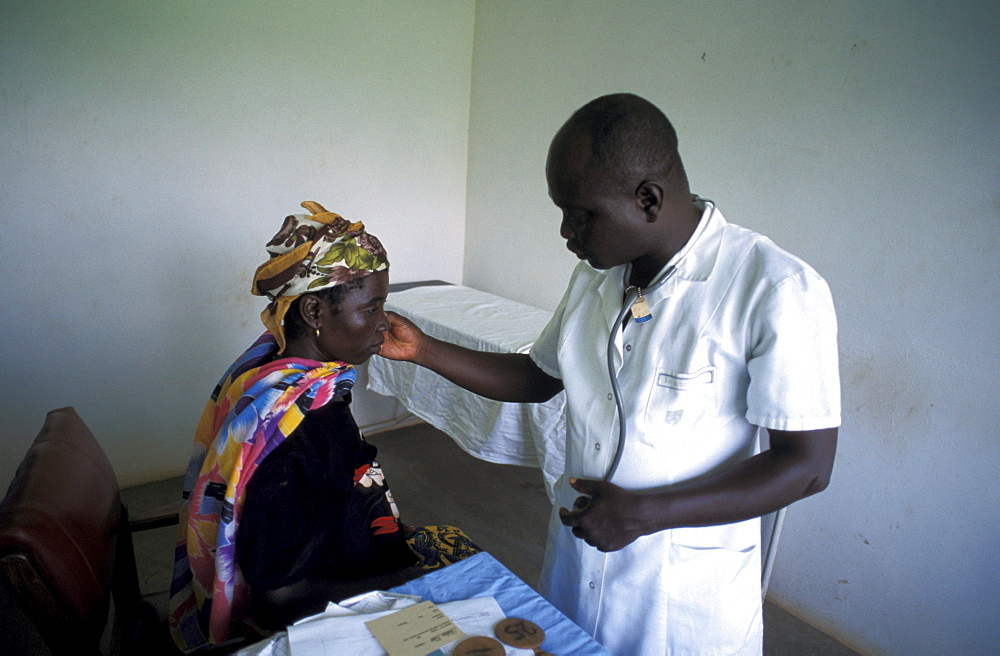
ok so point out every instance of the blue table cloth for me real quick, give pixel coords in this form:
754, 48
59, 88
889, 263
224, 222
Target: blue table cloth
483, 575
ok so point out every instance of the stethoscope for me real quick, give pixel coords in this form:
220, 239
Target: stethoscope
633, 294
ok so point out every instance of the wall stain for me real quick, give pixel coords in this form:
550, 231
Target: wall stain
883, 390
781, 59
840, 588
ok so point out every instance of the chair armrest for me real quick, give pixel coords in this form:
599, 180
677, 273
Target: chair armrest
165, 515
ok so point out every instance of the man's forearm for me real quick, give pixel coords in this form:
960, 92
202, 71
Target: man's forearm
797, 464
509, 377
757, 486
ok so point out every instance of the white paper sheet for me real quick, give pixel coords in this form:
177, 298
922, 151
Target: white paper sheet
375, 601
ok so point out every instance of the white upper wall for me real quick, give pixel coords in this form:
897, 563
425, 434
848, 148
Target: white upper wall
150, 149
864, 138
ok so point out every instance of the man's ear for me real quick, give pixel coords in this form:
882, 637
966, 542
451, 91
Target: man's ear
309, 309
649, 195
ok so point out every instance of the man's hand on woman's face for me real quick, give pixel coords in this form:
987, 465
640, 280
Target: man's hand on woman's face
402, 340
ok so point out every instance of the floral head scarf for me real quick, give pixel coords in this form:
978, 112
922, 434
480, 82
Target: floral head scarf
311, 253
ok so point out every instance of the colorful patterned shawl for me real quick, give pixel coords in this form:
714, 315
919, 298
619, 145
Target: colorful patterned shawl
257, 404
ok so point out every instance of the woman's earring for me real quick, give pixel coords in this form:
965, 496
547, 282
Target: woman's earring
317, 333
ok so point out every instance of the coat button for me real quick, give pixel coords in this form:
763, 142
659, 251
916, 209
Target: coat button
592, 586
598, 446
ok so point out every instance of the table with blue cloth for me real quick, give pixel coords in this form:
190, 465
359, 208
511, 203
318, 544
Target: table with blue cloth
482, 575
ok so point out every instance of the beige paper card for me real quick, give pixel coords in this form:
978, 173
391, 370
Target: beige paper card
417, 630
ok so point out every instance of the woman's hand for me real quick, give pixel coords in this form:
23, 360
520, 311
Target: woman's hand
403, 340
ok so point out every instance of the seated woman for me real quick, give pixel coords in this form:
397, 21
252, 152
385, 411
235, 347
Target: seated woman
286, 507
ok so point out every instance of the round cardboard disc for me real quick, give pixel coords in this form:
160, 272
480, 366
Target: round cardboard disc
520, 633
479, 646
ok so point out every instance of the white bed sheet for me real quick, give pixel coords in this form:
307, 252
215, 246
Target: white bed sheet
530, 434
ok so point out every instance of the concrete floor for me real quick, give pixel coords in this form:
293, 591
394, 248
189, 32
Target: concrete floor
502, 508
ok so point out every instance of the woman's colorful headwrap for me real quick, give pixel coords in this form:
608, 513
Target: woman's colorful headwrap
311, 253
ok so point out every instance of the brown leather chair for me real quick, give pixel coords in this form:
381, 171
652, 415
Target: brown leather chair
66, 546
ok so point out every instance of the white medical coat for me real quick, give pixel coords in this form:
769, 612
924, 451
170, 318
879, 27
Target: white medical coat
742, 335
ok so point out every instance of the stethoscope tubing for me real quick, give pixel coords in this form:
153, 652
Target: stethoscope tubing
631, 295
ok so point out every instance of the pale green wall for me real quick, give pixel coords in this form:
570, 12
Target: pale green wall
150, 149
862, 136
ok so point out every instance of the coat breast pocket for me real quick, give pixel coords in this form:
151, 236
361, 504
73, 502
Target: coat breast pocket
681, 398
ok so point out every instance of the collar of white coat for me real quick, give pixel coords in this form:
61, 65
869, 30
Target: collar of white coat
696, 260
695, 263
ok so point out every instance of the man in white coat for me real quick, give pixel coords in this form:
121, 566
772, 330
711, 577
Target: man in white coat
654, 540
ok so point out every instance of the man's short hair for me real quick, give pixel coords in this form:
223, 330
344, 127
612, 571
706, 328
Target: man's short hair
631, 137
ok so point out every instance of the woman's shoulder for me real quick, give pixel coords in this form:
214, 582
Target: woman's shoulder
318, 458
330, 434
331, 420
